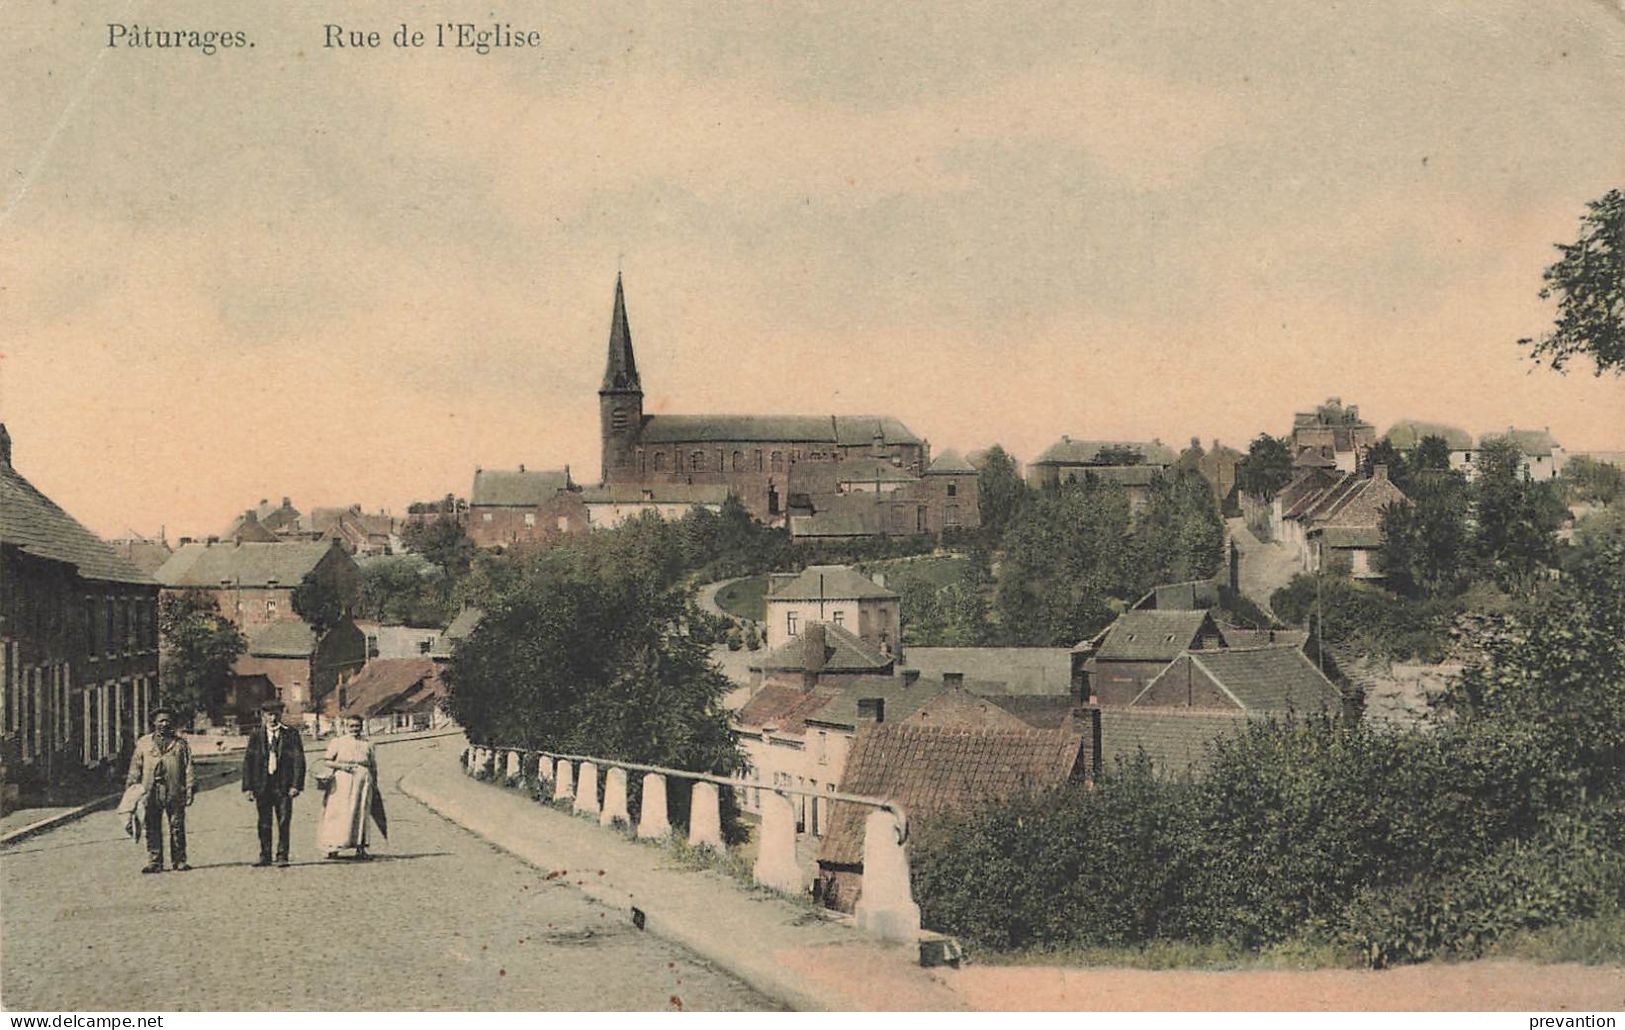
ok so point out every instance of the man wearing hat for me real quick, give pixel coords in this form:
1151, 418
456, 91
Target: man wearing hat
162, 767
273, 775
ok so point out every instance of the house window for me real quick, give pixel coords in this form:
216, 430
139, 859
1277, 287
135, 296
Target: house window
485, 516
739, 461
564, 524
778, 461
270, 606
530, 518
696, 461
840, 618
790, 620
823, 747
758, 460
953, 489
660, 461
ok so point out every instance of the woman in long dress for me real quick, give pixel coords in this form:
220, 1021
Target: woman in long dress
353, 770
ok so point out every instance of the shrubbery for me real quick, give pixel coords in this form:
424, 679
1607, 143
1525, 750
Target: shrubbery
1394, 844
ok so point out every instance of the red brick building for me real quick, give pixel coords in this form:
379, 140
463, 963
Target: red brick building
523, 506
780, 464
78, 640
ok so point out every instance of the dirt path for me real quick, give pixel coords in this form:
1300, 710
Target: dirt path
1467, 986
1265, 567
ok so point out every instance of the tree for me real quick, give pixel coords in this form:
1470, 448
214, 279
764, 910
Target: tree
444, 542
1000, 492
1384, 453
200, 646
1432, 454
1598, 482
1064, 559
1588, 281
1266, 468
1516, 518
404, 589
320, 603
1424, 541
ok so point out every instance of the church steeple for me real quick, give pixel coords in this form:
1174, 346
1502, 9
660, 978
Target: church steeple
621, 371
620, 399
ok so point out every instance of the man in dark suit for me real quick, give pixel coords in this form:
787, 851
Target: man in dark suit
273, 775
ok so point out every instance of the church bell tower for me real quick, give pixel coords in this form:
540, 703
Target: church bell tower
620, 399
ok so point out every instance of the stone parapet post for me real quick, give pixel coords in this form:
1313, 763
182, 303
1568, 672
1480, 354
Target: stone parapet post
512, 773
776, 864
544, 769
563, 787
705, 817
652, 821
615, 799
587, 789
886, 908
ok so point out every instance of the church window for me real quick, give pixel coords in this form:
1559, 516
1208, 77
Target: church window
778, 461
739, 461
758, 459
697, 461
660, 461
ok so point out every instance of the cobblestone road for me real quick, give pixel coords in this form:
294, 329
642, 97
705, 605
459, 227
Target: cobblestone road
440, 920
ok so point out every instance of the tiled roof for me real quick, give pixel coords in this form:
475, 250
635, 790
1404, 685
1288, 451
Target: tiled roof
846, 430
871, 470
1407, 433
1040, 711
1142, 635
656, 493
1534, 443
830, 583
931, 770
1189, 596
391, 684
899, 698
1241, 637
950, 463
1022, 670
517, 488
836, 524
844, 651
1262, 681
249, 565
34, 524
1067, 451
786, 707
1175, 739
287, 639
459, 628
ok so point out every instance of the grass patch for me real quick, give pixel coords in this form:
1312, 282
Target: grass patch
1180, 955
745, 598
936, 571
1597, 941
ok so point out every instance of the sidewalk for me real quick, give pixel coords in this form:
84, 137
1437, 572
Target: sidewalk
787, 951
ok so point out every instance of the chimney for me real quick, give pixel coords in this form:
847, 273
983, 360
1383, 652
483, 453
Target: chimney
286, 503
953, 680
185, 540
910, 677
5, 447
871, 709
213, 540
521, 466
1379, 472
250, 516
879, 579
814, 639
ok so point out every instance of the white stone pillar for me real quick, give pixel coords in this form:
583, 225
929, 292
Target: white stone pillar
615, 799
544, 769
563, 789
587, 789
652, 822
705, 817
886, 907
776, 864
513, 768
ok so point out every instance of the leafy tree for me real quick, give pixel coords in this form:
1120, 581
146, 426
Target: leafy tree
1588, 480
443, 542
1425, 540
320, 603
1384, 453
583, 652
405, 590
1064, 559
1588, 281
1516, 518
1001, 492
200, 646
1266, 468
1432, 453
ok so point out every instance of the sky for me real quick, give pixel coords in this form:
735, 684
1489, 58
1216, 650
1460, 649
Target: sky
353, 276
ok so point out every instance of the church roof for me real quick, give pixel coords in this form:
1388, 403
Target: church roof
621, 370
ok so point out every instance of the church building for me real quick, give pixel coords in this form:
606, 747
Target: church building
822, 475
